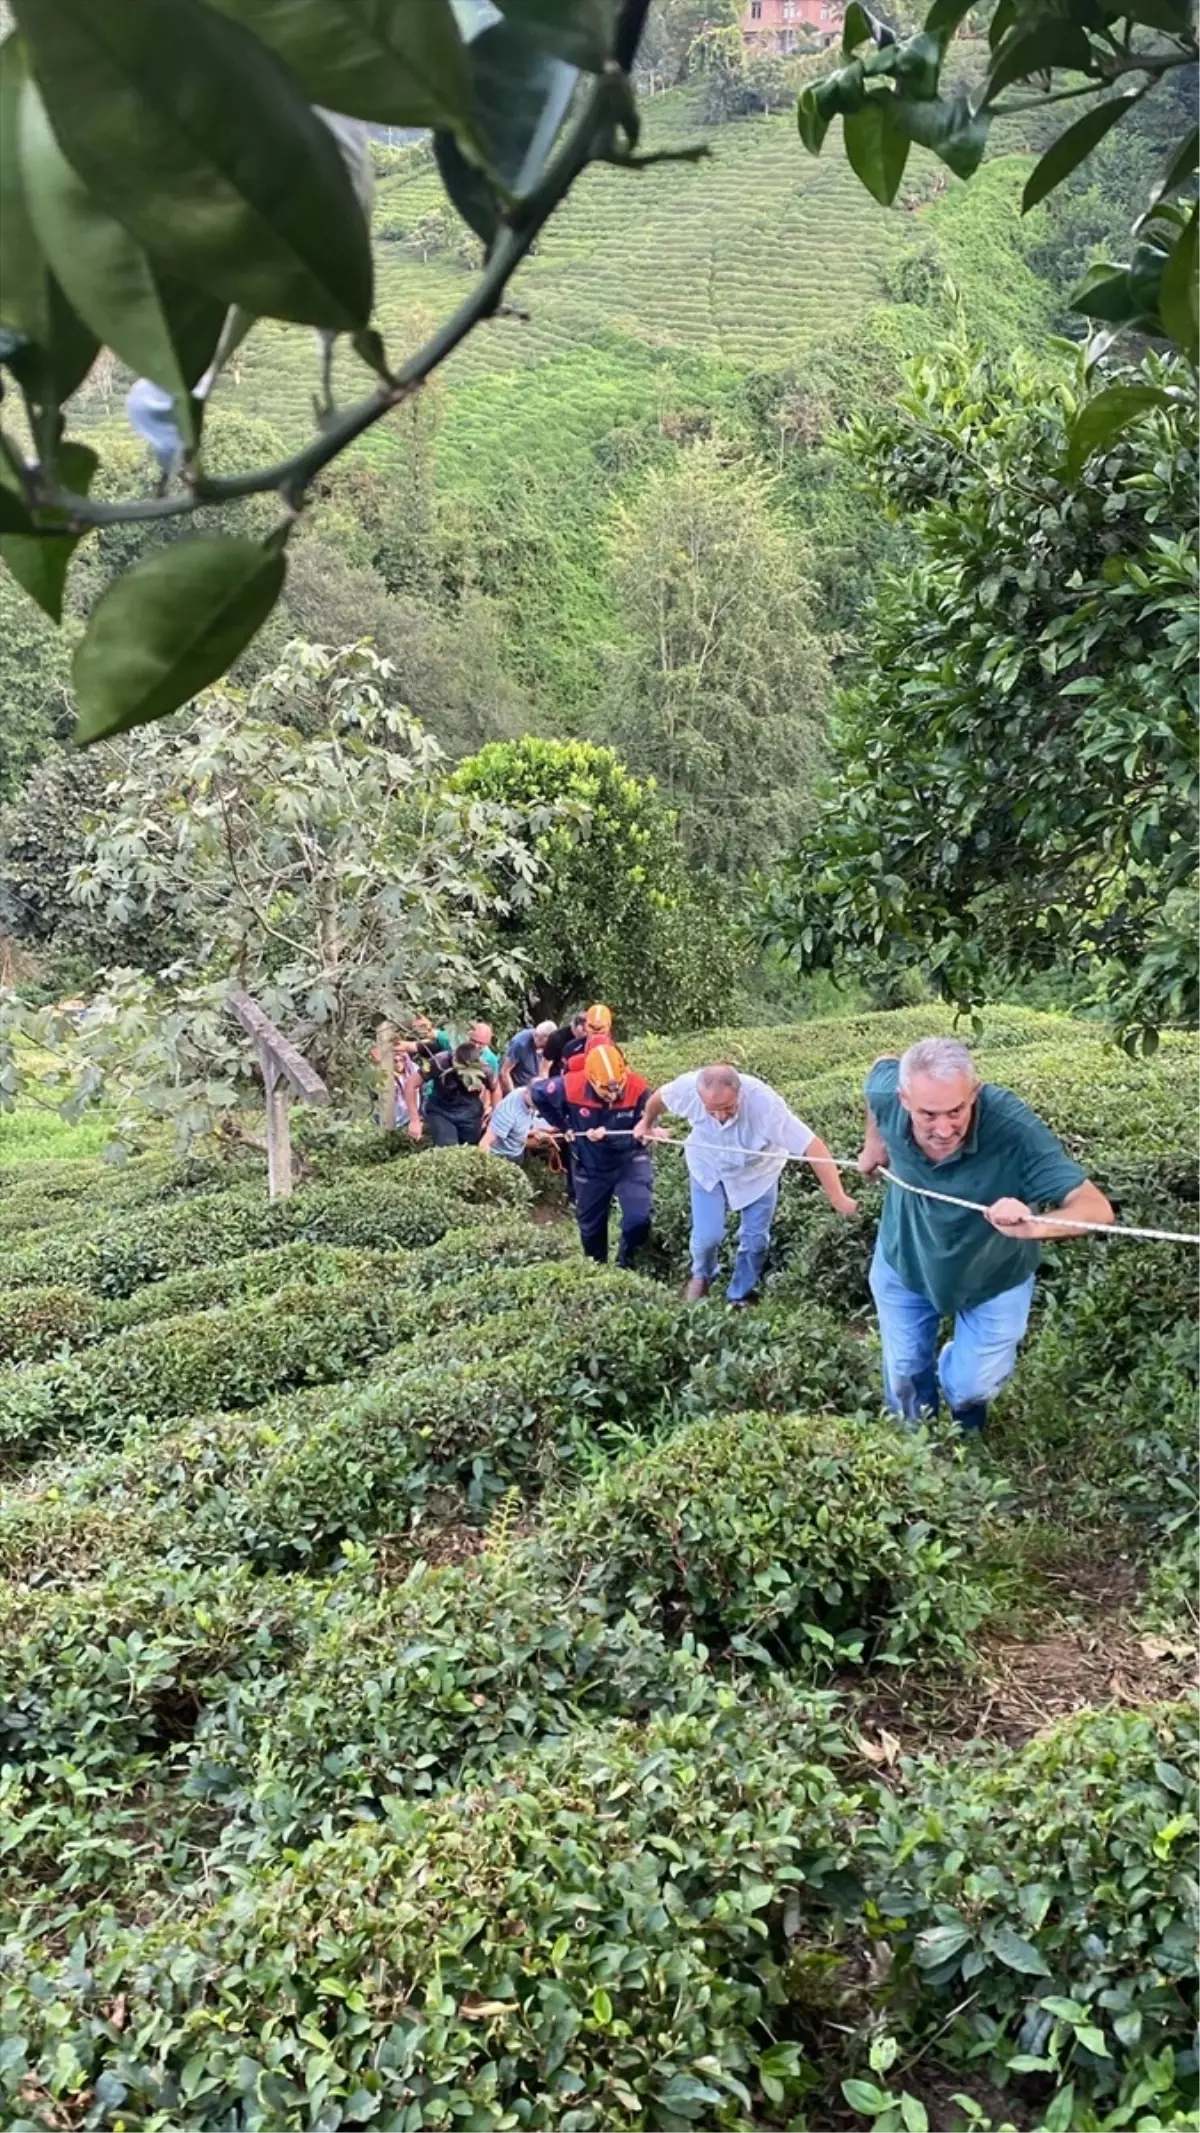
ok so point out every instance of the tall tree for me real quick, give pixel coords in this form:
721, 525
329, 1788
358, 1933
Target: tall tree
1015, 772
615, 912
721, 686
303, 844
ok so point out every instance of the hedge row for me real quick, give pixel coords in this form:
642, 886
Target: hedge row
36, 1321
825, 1540
617, 1927
236, 1358
511, 1382
414, 1204
61, 1195
490, 1238
404, 1969
239, 1357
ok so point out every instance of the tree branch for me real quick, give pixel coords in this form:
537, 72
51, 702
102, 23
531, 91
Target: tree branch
290, 478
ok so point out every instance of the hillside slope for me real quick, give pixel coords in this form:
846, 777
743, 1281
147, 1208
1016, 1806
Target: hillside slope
749, 258
416, 1647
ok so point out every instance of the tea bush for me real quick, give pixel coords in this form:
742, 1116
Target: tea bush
415, 1204
406, 1691
597, 1937
34, 1322
407, 1632
825, 1539
488, 1395
238, 1357
492, 1238
1053, 1892
38, 1196
124, 1666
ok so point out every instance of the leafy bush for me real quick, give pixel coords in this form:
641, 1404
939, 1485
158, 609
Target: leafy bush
598, 1938
490, 1239
123, 1667
48, 1195
826, 1539
34, 1322
764, 1366
238, 1357
420, 1685
415, 1205
514, 1382
1052, 1892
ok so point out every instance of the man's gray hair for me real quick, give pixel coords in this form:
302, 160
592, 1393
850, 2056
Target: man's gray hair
712, 1078
545, 1029
941, 1058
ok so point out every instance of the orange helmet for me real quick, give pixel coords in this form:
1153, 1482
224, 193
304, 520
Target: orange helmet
599, 1020
605, 1071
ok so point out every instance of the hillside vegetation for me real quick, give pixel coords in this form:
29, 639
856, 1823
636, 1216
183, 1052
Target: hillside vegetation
442, 1684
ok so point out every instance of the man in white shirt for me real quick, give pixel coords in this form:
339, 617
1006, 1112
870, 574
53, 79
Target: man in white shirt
742, 1135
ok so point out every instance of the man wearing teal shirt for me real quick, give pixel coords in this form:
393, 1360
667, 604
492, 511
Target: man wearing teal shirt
931, 1122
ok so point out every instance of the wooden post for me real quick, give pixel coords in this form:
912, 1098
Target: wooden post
286, 1073
387, 1076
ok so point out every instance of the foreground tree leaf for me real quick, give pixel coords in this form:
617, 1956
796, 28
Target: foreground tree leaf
159, 328
876, 149
1177, 300
52, 367
170, 627
400, 62
200, 144
514, 83
1107, 416
1034, 42
14, 517
519, 94
38, 561
1072, 146
949, 126
23, 296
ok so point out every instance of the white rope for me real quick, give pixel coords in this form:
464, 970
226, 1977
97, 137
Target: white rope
1101, 1229
924, 1192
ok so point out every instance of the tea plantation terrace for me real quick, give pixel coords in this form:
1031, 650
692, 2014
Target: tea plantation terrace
446, 1684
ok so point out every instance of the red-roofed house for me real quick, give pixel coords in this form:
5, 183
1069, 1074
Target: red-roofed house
782, 25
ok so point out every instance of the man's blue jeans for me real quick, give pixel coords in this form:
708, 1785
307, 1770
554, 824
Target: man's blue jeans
709, 1212
975, 1362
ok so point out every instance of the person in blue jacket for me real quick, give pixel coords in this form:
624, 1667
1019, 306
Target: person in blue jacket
598, 1102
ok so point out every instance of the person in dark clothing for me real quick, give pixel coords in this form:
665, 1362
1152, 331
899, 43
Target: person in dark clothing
459, 1090
598, 1102
565, 1044
562, 1046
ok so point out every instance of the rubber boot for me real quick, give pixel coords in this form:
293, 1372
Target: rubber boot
972, 1418
696, 1288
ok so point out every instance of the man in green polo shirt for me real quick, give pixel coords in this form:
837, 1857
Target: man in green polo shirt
932, 1122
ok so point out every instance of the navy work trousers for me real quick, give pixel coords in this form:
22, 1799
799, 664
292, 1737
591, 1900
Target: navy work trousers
632, 1185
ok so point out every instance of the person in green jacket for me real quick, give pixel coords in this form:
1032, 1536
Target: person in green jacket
932, 1122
